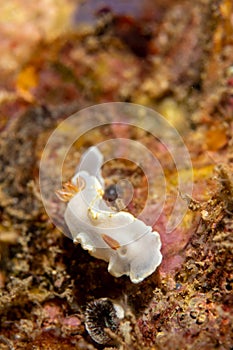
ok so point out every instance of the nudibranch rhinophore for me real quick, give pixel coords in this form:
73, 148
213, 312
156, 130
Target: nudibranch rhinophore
129, 246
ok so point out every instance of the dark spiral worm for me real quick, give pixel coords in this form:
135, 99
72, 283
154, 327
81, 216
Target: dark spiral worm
100, 314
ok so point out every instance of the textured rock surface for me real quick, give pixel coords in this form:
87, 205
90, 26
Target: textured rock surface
50, 69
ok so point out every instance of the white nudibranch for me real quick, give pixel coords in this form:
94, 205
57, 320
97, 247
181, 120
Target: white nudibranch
130, 247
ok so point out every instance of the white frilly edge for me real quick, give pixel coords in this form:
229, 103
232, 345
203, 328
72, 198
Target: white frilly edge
89, 218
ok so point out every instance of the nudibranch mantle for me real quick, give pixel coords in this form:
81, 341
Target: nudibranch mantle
127, 243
